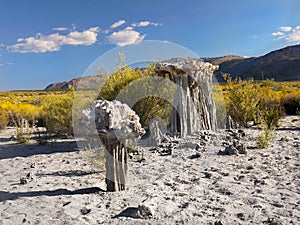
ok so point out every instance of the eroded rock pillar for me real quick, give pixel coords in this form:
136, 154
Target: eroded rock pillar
193, 106
119, 128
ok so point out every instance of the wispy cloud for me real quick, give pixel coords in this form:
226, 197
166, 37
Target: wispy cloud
53, 42
125, 37
253, 36
285, 28
117, 24
60, 28
3, 64
289, 34
145, 23
279, 33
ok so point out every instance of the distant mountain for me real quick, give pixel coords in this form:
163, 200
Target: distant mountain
85, 82
282, 65
220, 60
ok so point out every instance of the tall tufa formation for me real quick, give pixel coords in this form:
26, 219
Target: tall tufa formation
119, 128
193, 106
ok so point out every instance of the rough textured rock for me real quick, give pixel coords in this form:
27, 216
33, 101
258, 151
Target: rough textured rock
26, 179
234, 144
147, 208
118, 128
193, 106
234, 148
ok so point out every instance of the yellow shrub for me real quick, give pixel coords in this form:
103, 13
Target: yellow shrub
245, 99
3, 118
17, 111
57, 113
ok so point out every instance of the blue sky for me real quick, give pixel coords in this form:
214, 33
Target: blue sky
56, 40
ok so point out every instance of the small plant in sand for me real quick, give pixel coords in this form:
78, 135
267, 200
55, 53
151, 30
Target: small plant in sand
269, 117
264, 138
95, 157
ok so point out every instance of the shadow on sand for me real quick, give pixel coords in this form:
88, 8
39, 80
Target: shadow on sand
4, 196
21, 150
71, 173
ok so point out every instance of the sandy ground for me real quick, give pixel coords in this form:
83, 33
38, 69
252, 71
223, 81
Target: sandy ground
261, 187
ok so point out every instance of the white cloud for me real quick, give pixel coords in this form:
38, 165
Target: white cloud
145, 23
285, 28
125, 37
277, 33
94, 29
54, 42
1, 65
60, 28
128, 28
142, 24
294, 36
288, 34
117, 24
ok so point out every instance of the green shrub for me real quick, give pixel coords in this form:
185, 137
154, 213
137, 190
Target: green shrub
128, 84
270, 113
244, 99
151, 107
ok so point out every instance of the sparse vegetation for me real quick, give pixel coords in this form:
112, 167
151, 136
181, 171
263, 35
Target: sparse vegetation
263, 102
264, 138
246, 99
269, 120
